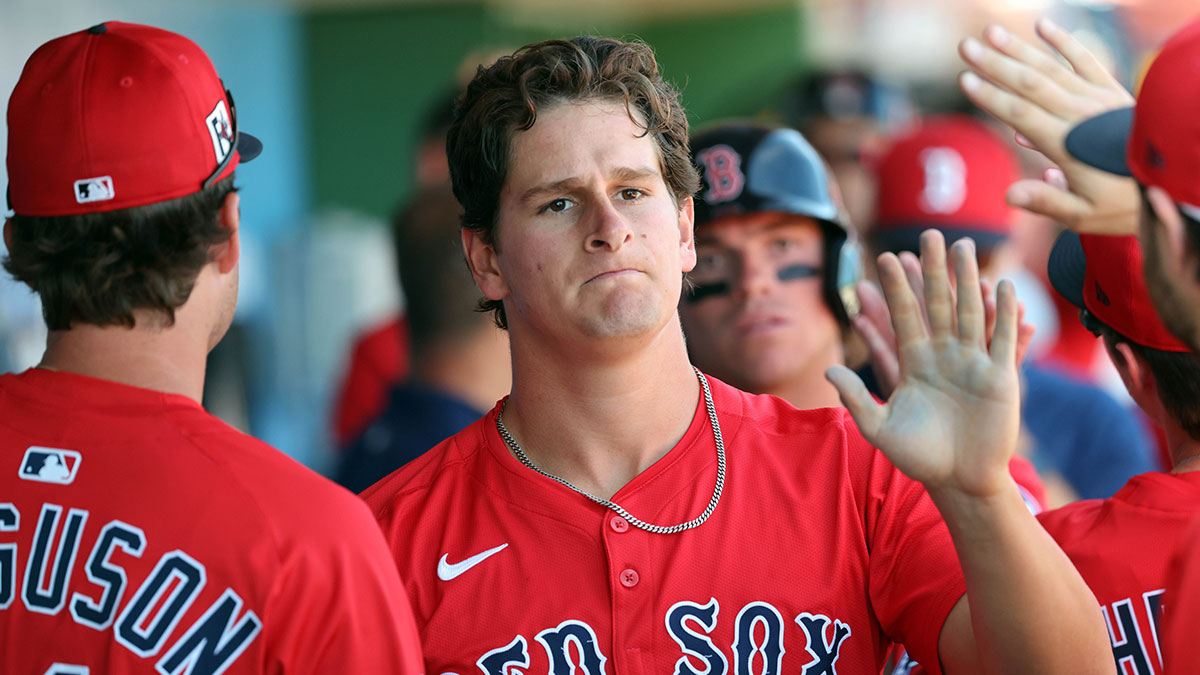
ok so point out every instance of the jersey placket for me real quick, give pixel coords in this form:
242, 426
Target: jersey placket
633, 587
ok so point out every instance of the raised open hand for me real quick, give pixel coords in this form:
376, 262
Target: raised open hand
874, 323
1043, 99
952, 421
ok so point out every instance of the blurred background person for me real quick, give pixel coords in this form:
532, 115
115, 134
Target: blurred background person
951, 172
772, 295
459, 361
847, 115
775, 265
379, 357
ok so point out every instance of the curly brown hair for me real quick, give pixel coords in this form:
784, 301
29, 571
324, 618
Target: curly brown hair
506, 97
97, 268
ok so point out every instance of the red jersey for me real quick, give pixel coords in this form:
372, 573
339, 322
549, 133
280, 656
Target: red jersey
1122, 547
1181, 612
819, 553
139, 534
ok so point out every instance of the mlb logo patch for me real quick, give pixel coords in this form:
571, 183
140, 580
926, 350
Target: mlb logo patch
98, 189
49, 465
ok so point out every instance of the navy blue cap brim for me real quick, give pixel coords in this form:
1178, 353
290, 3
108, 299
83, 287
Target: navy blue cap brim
248, 147
1101, 141
1067, 267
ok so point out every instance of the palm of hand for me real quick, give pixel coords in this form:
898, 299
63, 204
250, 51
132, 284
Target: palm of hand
954, 417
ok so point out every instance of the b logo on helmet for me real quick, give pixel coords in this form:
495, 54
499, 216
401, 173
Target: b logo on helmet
723, 173
945, 180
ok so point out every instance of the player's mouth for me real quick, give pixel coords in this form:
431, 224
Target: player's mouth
759, 324
614, 274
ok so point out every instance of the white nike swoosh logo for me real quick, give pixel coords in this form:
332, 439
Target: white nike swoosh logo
446, 571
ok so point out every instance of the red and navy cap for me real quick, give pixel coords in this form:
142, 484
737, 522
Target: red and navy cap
1103, 275
117, 116
1158, 140
950, 173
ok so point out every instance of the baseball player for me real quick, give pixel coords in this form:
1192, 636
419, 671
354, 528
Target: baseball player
619, 511
1055, 109
1155, 142
138, 533
1121, 545
776, 263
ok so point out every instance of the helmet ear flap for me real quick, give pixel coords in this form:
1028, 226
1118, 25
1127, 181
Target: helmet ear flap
843, 269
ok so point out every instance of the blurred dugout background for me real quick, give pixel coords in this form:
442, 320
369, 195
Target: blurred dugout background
340, 90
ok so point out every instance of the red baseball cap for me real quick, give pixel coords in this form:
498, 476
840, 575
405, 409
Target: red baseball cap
950, 173
1158, 140
117, 116
1103, 275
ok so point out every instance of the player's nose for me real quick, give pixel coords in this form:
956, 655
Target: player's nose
609, 228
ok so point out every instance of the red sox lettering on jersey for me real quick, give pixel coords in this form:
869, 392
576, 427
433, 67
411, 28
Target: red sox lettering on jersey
787, 575
572, 646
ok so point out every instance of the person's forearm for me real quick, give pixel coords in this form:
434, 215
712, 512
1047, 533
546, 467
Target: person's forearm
1030, 610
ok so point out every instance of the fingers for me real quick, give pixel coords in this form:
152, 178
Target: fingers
1027, 81
884, 359
874, 324
1048, 199
1005, 337
938, 303
1083, 61
989, 306
1055, 177
1043, 130
1035, 58
1025, 333
867, 414
970, 302
907, 322
873, 309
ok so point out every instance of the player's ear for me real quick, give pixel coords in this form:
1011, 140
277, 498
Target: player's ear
484, 264
1133, 371
226, 254
687, 233
1178, 254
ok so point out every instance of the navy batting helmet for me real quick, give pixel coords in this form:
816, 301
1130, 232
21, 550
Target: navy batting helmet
750, 167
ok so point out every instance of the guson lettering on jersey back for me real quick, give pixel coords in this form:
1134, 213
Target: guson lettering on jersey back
148, 623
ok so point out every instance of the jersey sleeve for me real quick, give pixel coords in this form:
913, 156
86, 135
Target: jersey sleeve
338, 604
915, 577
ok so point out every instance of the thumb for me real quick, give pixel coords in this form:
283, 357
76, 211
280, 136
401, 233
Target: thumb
1048, 200
867, 414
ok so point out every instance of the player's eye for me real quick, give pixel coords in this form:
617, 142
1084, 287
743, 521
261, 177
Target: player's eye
557, 205
710, 265
783, 245
631, 194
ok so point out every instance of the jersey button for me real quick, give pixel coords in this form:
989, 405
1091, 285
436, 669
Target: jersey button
619, 524
629, 578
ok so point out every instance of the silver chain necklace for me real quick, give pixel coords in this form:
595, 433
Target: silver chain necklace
616, 508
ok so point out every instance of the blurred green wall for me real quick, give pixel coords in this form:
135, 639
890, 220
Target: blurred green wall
373, 74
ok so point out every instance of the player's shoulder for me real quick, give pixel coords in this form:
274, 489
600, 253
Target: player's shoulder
291, 500
775, 415
1078, 517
